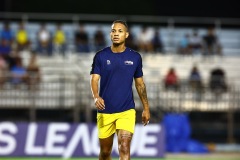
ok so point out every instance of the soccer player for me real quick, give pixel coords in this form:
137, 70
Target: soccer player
117, 66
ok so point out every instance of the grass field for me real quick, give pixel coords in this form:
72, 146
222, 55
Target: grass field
131, 159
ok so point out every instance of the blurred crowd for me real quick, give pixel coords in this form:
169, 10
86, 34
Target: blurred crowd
147, 40
208, 44
217, 82
14, 72
12, 68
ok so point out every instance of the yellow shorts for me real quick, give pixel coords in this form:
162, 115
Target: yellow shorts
109, 123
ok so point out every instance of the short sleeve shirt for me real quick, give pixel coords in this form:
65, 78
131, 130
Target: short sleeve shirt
117, 71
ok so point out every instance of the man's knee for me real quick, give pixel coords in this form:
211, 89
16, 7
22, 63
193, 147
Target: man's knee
124, 142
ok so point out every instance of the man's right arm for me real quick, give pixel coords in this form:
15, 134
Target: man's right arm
99, 102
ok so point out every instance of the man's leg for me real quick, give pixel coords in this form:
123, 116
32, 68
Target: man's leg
124, 143
106, 148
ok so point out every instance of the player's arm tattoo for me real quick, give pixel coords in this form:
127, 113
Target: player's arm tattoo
142, 92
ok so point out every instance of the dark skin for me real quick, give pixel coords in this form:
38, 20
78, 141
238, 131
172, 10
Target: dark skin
118, 35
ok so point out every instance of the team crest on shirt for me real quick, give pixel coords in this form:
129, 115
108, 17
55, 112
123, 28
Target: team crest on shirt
108, 62
128, 62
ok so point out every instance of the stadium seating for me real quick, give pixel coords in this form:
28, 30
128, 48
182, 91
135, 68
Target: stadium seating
229, 38
61, 75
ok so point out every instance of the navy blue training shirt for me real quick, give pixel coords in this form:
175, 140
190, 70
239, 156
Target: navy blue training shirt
117, 71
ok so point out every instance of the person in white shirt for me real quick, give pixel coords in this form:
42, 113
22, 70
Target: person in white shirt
44, 40
144, 40
195, 43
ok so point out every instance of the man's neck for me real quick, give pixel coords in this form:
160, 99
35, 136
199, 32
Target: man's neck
118, 48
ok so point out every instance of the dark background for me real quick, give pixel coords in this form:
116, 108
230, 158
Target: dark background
195, 8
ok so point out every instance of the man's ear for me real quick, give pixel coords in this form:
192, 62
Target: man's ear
127, 34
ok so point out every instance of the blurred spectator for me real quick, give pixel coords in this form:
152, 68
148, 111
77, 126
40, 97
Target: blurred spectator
195, 82
5, 47
44, 41
5, 51
184, 45
7, 34
22, 38
211, 43
195, 78
82, 40
218, 80
18, 73
3, 71
12, 58
195, 43
131, 41
59, 40
171, 80
33, 70
99, 40
145, 40
157, 42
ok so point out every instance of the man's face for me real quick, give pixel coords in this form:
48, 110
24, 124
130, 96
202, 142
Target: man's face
118, 33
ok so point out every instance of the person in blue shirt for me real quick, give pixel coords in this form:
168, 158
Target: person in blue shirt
5, 48
18, 73
116, 67
6, 33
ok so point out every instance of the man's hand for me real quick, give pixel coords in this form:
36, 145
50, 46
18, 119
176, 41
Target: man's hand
145, 117
99, 103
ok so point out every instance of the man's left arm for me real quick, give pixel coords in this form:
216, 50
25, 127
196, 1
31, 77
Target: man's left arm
142, 92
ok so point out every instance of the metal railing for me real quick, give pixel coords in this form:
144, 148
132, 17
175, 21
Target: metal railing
75, 95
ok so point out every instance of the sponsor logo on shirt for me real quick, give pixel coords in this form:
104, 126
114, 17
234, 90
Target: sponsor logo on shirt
128, 62
108, 62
